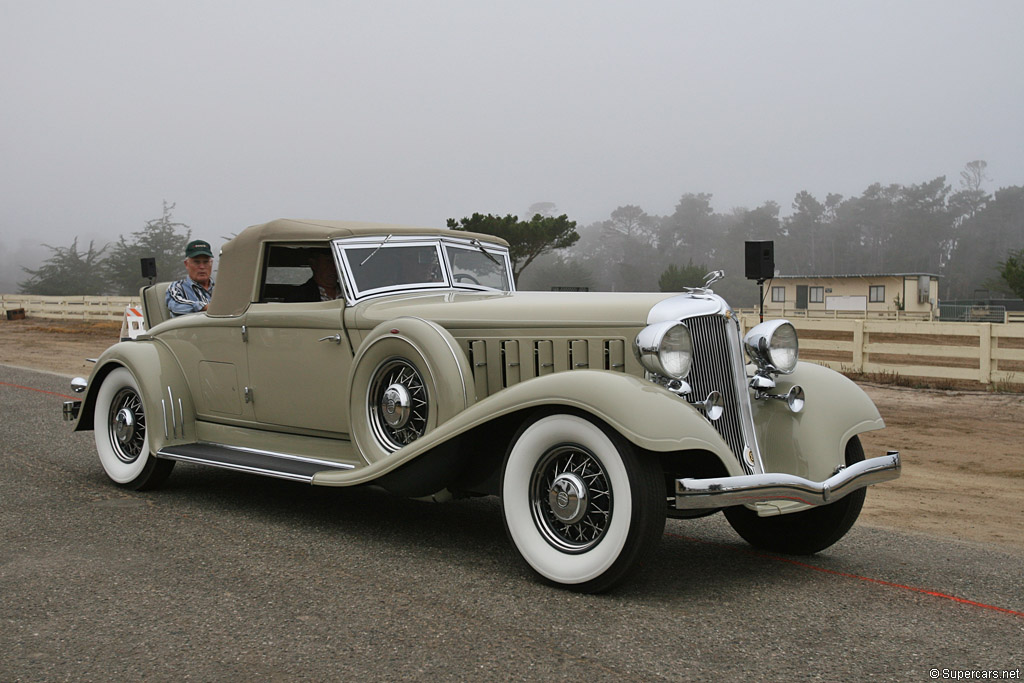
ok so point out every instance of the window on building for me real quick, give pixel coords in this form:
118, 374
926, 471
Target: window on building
817, 295
877, 294
778, 294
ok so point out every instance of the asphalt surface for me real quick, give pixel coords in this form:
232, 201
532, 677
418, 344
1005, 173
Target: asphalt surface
222, 575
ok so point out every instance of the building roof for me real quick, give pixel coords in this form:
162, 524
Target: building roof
863, 275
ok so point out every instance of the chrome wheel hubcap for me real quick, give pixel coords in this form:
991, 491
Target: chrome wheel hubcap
124, 426
127, 425
394, 406
570, 498
397, 404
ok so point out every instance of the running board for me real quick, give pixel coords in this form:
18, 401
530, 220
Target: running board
266, 463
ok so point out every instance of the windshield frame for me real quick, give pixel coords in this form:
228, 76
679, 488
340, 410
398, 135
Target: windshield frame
344, 249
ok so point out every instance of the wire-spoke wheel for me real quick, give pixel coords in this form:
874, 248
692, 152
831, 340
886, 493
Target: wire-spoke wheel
408, 376
583, 509
571, 498
122, 440
397, 404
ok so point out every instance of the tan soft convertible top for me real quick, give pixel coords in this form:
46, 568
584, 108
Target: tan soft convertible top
238, 271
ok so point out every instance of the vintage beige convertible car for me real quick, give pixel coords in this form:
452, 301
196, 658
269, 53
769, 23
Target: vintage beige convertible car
592, 415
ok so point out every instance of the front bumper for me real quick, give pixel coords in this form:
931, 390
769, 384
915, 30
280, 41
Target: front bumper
720, 492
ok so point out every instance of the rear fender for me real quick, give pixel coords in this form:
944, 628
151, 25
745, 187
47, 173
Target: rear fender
644, 413
170, 412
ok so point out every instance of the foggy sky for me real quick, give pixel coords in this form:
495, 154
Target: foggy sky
413, 112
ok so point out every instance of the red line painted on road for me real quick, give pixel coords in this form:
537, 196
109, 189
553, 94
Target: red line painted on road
41, 391
847, 575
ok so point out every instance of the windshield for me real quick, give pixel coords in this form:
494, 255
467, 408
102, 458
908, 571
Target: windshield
470, 265
383, 265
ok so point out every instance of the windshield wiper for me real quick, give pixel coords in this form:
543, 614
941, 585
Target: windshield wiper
374, 252
476, 243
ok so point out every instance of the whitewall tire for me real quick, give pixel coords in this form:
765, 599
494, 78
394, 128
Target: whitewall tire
122, 437
580, 506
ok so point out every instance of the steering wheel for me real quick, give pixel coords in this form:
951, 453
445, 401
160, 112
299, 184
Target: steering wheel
460, 277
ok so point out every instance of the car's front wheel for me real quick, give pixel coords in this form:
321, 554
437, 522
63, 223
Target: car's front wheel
122, 438
580, 506
806, 532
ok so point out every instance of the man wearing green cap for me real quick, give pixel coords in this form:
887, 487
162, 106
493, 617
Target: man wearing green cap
192, 294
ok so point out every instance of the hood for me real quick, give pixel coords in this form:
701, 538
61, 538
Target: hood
454, 310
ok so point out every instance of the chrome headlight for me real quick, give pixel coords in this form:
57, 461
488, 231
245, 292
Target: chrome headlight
773, 346
665, 349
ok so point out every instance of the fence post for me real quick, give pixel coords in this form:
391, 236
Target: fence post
985, 353
858, 346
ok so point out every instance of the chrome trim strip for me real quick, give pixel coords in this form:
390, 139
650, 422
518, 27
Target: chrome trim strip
455, 351
718, 492
174, 422
163, 410
181, 416
739, 373
235, 467
282, 456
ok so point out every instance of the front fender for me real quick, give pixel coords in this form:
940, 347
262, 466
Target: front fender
812, 443
170, 412
644, 413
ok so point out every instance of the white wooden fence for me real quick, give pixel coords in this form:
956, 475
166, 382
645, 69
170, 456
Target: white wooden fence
68, 307
803, 313
989, 353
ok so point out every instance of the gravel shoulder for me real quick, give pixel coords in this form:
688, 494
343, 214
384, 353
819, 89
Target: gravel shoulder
963, 471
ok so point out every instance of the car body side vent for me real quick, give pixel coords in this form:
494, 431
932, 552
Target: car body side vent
579, 357
615, 355
510, 372
478, 359
544, 357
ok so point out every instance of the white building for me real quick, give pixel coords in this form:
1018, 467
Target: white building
912, 292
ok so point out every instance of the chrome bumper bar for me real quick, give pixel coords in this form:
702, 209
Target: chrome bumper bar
720, 492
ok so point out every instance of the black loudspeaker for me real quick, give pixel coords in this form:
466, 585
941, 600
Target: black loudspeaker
760, 260
149, 267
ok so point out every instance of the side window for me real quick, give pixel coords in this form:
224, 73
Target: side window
287, 272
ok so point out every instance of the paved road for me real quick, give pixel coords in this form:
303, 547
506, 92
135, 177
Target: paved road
223, 575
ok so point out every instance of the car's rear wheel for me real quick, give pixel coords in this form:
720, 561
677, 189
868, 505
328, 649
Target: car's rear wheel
122, 438
806, 532
580, 506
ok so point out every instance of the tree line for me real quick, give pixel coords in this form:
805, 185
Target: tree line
113, 269
968, 237
972, 239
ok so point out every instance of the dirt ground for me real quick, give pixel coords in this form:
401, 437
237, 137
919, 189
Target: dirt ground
963, 461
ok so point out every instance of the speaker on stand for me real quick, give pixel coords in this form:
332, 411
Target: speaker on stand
760, 265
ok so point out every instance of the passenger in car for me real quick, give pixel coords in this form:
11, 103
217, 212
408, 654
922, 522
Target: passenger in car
192, 293
324, 285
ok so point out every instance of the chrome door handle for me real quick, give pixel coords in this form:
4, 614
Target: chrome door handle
336, 338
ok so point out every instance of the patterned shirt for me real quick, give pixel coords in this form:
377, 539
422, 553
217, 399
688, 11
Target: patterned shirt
187, 296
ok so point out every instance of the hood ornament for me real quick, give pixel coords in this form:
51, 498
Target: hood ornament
709, 279
713, 277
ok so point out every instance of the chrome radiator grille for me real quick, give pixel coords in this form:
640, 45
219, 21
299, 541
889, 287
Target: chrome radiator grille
712, 371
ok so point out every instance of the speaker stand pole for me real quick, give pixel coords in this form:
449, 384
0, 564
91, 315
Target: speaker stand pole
760, 289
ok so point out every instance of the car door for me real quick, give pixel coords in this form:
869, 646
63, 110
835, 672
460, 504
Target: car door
299, 356
299, 363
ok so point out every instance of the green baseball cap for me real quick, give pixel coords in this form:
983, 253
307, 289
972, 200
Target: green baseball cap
198, 248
